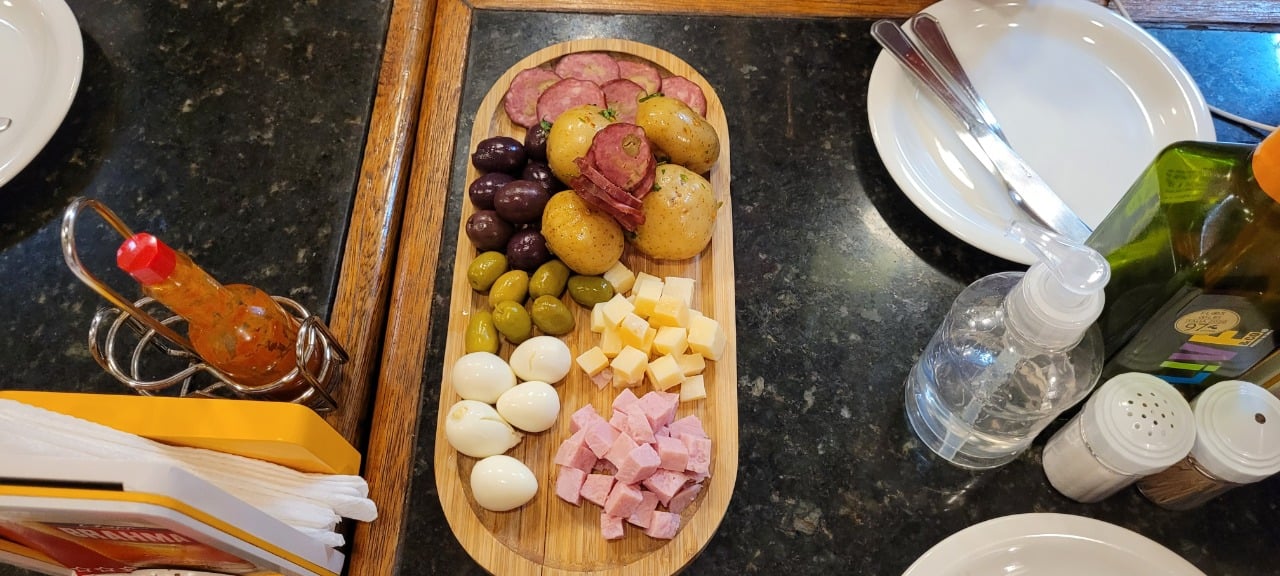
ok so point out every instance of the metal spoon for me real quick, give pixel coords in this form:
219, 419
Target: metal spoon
5, 123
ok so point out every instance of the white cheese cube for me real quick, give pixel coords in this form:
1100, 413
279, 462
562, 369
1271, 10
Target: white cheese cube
706, 338
616, 309
620, 277
593, 361
670, 311
678, 287
597, 318
692, 364
647, 292
671, 340
610, 341
632, 330
629, 366
664, 372
693, 388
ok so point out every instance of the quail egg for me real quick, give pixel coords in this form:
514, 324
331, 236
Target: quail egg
502, 483
542, 358
530, 406
482, 376
477, 430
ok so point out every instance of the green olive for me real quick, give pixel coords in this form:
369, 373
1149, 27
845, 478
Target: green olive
485, 270
512, 320
551, 316
548, 279
482, 335
512, 285
590, 290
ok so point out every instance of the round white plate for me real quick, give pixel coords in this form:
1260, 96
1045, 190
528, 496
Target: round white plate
1049, 545
41, 57
1085, 96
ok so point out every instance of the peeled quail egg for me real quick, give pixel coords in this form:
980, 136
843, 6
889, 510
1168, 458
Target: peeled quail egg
501, 483
482, 376
531, 406
477, 430
542, 358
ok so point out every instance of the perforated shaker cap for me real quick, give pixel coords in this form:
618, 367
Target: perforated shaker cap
1138, 424
1237, 431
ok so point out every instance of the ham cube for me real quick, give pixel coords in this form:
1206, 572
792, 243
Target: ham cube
622, 446
688, 425
569, 484
624, 399
663, 525
575, 453
604, 377
596, 488
622, 500
638, 428
639, 464
618, 420
611, 526
648, 503
584, 416
683, 498
699, 453
659, 408
673, 454
600, 436
604, 467
666, 484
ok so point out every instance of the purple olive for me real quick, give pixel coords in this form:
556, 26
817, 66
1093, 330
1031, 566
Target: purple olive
498, 154
483, 188
541, 173
488, 231
535, 141
527, 250
521, 201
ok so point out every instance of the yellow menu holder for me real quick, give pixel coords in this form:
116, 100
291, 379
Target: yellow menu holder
283, 433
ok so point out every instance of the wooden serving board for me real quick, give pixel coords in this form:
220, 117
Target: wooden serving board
548, 535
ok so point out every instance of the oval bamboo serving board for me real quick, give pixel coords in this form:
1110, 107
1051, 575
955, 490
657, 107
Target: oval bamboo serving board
549, 536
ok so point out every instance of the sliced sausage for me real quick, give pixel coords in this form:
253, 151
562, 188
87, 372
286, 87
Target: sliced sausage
623, 96
595, 67
521, 99
640, 73
621, 152
686, 91
566, 94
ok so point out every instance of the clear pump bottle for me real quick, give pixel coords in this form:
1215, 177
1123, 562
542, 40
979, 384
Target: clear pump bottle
1015, 351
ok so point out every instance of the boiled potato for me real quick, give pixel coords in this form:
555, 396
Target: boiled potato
682, 134
588, 241
570, 138
679, 215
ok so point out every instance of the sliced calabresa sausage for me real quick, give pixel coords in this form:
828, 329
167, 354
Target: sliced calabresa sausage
686, 91
595, 67
521, 99
621, 152
643, 74
623, 96
566, 94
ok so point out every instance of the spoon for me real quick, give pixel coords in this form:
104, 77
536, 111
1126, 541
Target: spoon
5, 123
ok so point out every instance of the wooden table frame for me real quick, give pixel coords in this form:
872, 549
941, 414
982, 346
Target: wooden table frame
381, 312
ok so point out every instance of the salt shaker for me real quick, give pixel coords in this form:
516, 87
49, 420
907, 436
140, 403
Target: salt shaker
1237, 442
1135, 424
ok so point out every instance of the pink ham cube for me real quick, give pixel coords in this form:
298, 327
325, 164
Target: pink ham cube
699, 453
611, 526
622, 500
663, 525
673, 453
648, 503
638, 428
602, 378
622, 446
584, 416
569, 484
666, 484
575, 453
618, 420
659, 407
624, 399
600, 436
639, 464
683, 498
596, 488
604, 467
688, 425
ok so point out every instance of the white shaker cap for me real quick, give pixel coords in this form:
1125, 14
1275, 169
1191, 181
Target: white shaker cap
1237, 431
1138, 424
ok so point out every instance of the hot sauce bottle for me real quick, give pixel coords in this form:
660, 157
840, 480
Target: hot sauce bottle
238, 329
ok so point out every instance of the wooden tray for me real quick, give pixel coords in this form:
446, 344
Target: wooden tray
549, 536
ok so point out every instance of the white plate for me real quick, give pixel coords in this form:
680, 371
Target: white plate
1049, 545
1085, 96
41, 57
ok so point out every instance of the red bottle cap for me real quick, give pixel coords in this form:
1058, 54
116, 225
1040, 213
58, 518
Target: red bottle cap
146, 258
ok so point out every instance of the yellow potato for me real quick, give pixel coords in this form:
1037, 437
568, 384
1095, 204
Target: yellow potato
679, 215
682, 134
570, 137
588, 241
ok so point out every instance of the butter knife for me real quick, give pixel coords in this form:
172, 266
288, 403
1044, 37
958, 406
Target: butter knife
1027, 189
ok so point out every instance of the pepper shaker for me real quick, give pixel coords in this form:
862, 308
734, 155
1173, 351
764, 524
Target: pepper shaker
1134, 425
1237, 442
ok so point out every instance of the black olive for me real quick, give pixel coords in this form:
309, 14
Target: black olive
488, 231
498, 154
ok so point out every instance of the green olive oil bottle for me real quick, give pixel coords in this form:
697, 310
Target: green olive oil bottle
1194, 249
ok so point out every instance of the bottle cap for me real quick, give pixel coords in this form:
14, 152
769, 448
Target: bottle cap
1061, 295
1237, 431
1266, 165
146, 258
1138, 424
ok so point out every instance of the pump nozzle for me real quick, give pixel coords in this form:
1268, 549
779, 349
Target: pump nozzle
1061, 295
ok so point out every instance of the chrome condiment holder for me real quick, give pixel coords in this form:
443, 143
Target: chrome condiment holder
157, 337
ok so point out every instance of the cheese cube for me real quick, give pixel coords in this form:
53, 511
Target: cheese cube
648, 290
620, 277
593, 361
671, 340
610, 341
670, 311
706, 338
664, 372
678, 287
632, 330
646, 345
616, 309
629, 366
597, 318
691, 364
693, 388
693, 314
